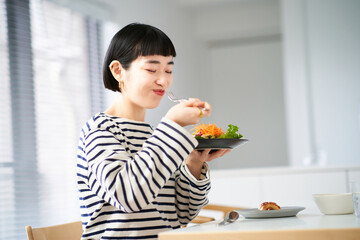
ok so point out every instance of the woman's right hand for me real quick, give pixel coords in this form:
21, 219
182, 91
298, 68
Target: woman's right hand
189, 112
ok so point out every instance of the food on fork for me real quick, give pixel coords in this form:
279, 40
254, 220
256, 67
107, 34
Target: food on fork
268, 206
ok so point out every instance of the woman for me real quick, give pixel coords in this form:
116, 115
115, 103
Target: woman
133, 181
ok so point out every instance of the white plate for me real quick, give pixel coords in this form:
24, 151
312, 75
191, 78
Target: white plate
283, 212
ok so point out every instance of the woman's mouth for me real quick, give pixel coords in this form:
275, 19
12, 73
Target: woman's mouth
159, 92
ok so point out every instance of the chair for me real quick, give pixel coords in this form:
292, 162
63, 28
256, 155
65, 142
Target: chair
214, 207
67, 231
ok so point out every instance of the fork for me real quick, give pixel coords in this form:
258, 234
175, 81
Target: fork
173, 98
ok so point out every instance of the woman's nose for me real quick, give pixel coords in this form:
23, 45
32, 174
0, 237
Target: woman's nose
164, 80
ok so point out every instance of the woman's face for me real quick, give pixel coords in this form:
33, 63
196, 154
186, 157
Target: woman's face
147, 79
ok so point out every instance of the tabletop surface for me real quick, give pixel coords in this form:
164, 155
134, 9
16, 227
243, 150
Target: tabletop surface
301, 221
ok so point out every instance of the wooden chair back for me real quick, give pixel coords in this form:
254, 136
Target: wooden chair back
67, 231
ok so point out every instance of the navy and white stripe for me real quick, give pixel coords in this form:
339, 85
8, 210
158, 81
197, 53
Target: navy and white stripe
132, 180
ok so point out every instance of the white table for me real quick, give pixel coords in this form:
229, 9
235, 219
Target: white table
303, 226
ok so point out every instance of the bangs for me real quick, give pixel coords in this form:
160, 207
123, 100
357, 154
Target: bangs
154, 43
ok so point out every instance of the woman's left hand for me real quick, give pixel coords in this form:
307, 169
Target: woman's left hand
196, 159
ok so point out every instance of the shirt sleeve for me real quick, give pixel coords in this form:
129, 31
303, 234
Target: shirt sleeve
191, 194
128, 181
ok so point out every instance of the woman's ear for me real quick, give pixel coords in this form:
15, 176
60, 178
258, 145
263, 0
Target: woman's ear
116, 69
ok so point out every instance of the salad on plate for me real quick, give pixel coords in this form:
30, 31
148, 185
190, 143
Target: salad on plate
212, 137
211, 131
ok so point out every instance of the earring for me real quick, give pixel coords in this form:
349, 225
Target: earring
121, 85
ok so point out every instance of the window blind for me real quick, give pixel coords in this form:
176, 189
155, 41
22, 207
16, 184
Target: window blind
50, 78
94, 30
23, 178
6, 164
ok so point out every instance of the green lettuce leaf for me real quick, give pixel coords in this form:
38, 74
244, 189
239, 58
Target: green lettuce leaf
232, 132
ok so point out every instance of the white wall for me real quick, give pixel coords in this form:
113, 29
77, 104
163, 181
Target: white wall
296, 84
239, 19
322, 81
321, 88
244, 83
334, 55
246, 87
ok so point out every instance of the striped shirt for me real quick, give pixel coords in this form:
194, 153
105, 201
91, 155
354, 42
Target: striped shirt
132, 180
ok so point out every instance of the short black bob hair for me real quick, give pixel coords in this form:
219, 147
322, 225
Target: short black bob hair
129, 43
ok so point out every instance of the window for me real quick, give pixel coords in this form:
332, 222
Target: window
7, 205
62, 104
51, 84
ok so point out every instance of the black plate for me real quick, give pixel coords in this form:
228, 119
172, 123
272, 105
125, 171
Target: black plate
219, 143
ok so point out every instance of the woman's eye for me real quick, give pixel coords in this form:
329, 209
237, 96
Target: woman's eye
150, 70
169, 72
